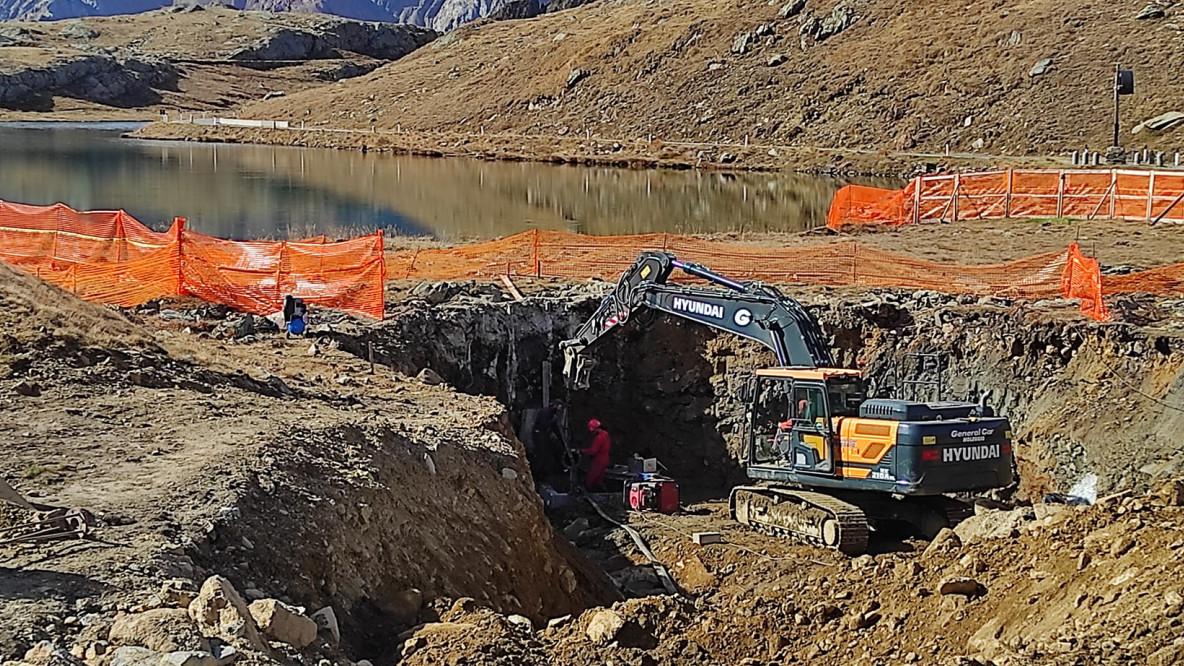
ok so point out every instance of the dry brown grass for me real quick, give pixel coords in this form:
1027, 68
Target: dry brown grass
906, 70
36, 310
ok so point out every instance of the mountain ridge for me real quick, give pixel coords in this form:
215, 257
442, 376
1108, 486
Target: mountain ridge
439, 15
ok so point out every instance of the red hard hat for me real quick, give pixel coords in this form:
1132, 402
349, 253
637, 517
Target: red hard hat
593, 425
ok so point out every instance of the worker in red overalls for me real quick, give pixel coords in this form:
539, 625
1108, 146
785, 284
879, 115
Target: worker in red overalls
598, 452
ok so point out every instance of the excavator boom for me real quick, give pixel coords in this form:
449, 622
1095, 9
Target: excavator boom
750, 310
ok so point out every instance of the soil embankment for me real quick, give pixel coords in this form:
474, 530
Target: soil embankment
294, 473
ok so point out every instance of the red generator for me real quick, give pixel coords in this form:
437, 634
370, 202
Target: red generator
652, 494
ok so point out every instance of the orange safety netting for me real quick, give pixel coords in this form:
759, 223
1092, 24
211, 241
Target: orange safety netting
1065, 274
110, 257
1087, 194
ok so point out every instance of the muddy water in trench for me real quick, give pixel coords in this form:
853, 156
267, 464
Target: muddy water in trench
247, 192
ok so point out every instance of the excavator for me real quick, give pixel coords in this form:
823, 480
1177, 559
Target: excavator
829, 465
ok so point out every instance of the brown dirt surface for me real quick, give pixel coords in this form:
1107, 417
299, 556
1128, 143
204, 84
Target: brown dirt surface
1066, 585
207, 443
199, 455
905, 76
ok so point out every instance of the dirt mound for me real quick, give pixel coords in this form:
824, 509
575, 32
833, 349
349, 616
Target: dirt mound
233, 465
37, 311
867, 75
294, 473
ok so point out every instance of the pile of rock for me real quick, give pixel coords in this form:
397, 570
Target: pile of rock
213, 626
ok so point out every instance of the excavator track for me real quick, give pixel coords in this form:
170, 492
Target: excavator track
814, 518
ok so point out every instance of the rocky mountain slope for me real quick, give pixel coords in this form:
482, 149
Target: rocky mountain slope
437, 14
1028, 78
211, 59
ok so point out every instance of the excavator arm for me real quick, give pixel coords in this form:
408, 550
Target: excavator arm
750, 310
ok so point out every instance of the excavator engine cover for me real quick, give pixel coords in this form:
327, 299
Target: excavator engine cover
908, 410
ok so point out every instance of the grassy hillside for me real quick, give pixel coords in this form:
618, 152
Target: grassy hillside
904, 75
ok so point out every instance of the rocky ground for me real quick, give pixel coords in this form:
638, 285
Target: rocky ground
210, 59
1048, 584
846, 85
244, 482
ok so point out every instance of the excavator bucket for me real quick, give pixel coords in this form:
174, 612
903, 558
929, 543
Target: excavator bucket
577, 368
8, 494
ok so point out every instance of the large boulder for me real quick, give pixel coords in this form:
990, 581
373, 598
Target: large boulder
161, 630
603, 626
281, 622
220, 611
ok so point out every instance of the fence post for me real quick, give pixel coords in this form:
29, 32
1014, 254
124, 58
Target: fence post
411, 264
382, 263
179, 225
917, 183
538, 264
1007, 197
1150, 194
854, 263
279, 274
1061, 193
957, 188
1113, 193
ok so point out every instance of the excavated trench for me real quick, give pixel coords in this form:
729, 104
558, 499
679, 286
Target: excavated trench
669, 388
389, 520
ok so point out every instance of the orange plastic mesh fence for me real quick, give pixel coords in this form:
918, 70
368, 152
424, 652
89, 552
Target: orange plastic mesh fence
859, 204
112, 258
1114, 193
557, 254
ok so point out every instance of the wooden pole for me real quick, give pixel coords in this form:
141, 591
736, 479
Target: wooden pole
1007, 197
1150, 193
512, 288
917, 182
1113, 193
957, 188
1109, 193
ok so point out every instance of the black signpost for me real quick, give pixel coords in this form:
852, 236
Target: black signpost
1124, 84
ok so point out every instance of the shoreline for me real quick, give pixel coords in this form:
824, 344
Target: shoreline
596, 151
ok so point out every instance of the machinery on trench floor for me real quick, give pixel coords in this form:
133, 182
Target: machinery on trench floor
639, 486
830, 464
555, 465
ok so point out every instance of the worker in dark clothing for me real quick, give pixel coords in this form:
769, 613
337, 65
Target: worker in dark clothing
598, 453
546, 440
295, 316
546, 423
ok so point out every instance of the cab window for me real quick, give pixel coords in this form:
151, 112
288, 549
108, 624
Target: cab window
846, 395
809, 403
772, 407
